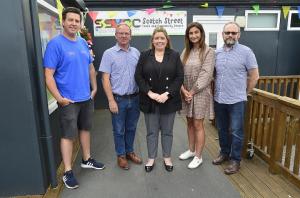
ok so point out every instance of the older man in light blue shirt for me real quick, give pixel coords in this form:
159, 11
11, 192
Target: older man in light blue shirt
236, 76
118, 66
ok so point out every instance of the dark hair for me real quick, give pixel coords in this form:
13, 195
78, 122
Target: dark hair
189, 44
72, 10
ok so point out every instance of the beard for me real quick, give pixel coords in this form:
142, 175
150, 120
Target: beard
229, 42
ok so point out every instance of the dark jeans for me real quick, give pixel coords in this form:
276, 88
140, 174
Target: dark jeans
230, 124
124, 123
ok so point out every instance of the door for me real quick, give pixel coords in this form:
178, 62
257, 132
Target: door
213, 27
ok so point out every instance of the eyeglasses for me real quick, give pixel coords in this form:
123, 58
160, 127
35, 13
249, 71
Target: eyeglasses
123, 33
232, 33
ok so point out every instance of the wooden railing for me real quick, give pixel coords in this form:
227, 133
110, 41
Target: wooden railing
281, 85
272, 124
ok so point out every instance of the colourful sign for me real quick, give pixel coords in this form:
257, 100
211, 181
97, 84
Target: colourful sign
142, 22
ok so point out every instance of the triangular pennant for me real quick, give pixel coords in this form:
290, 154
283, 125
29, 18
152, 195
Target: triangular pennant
60, 8
150, 10
93, 15
112, 14
168, 4
220, 10
131, 13
298, 11
118, 21
256, 8
205, 5
286, 10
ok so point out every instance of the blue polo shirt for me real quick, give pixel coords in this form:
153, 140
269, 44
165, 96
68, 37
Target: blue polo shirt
121, 66
70, 60
232, 68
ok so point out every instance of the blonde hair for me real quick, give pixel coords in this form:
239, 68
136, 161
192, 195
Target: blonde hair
163, 30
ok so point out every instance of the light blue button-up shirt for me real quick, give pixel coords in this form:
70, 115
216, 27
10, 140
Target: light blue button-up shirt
121, 66
231, 73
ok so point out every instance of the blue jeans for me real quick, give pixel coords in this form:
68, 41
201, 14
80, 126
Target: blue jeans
230, 124
124, 123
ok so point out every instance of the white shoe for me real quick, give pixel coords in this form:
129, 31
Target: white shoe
195, 162
186, 155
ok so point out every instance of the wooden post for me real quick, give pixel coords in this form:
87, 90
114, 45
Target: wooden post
298, 90
273, 86
292, 87
289, 143
258, 131
285, 85
265, 134
247, 121
279, 87
271, 129
297, 155
277, 140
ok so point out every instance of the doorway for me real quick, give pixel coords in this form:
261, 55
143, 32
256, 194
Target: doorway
213, 27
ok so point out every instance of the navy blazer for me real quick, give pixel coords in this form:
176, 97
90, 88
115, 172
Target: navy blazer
159, 78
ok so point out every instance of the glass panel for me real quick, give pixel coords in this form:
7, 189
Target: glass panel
263, 20
213, 39
295, 21
49, 28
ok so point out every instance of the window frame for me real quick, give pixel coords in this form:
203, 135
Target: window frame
278, 12
52, 103
289, 28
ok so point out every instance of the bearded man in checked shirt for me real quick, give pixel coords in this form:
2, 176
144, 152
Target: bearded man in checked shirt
236, 76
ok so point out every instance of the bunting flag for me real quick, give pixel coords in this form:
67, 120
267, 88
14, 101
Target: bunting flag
118, 21
168, 4
112, 14
298, 11
60, 8
256, 8
150, 10
220, 10
131, 13
205, 5
286, 10
93, 15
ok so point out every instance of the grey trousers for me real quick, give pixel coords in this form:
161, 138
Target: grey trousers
156, 122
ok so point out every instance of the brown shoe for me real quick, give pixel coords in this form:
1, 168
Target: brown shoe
220, 159
122, 162
134, 158
232, 168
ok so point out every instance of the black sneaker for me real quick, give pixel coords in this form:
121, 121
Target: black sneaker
91, 163
69, 180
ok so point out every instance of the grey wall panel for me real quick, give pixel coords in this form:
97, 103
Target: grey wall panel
21, 170
56, 134
288, 53
264, 45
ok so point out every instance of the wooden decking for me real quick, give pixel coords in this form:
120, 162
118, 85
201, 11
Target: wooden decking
254, 179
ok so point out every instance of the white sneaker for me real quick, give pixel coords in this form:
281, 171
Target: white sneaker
195, 162
186, 155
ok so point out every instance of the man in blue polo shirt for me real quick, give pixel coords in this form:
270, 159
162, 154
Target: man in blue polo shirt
71, 79
118, 67
236, 76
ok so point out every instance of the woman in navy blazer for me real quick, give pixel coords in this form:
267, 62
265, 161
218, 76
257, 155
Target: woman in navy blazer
159, 75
